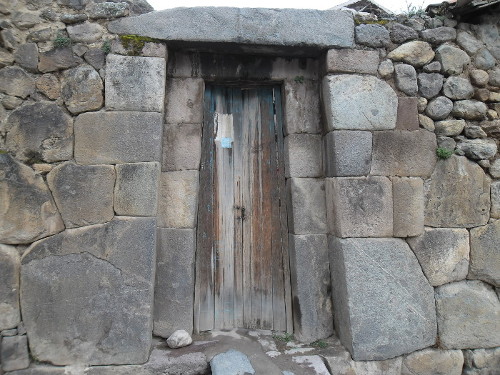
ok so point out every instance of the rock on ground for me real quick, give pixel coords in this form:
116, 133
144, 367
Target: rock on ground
178, 339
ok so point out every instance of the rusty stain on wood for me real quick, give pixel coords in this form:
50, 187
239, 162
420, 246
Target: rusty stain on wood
242, 271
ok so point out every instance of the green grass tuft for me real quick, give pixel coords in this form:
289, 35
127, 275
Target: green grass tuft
443, 153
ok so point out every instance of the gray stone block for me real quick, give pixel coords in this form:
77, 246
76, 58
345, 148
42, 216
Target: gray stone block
453, 60
467, 315
359, 103
303, 155
495, 199
302, 110
352, 61
178, 205
83, 193
433, 362
135, 83
404, 153
173, 309
347, 153
484, 254
406, 79
359, 206
26, 56
16, 82
57, 59
383, 304
184, 101
307, 206
14, 353
246, 26
407, 114
340, 363
181, 147
40, 130
28, 209
457, 194
372, 35
408, 209
231, 362
443, 254
99, 281
117, 137
10, 265
136, 189
311, 288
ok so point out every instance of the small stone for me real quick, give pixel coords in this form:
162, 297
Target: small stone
479, 361
439, 108
469, 109
484, 241
26, 56
484, 163
82, 89
494, 96
386, 68
458, 88
416, 23
446, 142
467, 315
42, 168
70, 19
474, 131
433, 22
449, 128
400, 33
482, 94
25, 19
422, 104
426, 122
468, 42
49, 85
450, 22
14, 353
478, 149
443, 254
83, 193
16, 82
406, 79
86, 32
10, 266
9, 332
479, 77
57, 59
494, 77
416, 53
452, 59
11, 102
95, 57
372, 35
11, 38
74, 4
433, 362
79, 49
107, 10
433, 67
439, 35
429, 84
6, 58
179, 339
495, 168
41, 35
484, 60
231, 362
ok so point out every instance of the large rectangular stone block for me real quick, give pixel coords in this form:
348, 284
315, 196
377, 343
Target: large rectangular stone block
136, 189
383, 304
181, 147
404, 153
408, 195
135, 83
347, 153
117, 137
303, 155
184, 101
87, 293
311, 290
302, 111
352, 61
10, 265
359, 206
173, 308
306, 206
178, 204
358, 102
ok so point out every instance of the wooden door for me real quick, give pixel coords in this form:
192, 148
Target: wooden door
242, 267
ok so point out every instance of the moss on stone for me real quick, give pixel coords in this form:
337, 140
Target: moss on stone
135, 43
375, 22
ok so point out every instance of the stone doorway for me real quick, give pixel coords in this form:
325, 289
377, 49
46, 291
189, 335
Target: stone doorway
242, 267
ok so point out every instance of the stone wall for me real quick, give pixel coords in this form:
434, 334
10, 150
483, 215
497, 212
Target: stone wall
393, 183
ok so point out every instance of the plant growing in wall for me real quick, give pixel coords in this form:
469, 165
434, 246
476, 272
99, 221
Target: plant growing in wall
443, 153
